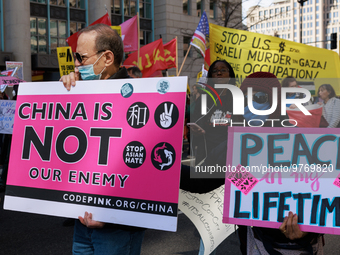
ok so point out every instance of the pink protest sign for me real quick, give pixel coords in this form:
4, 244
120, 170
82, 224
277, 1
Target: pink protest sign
294, 170
110, 147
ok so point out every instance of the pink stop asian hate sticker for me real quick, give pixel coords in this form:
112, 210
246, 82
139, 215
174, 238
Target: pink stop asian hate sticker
242, 179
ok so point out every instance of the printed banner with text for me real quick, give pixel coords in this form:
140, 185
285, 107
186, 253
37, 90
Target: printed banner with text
65, 60
271, 171
249, 52
112, 148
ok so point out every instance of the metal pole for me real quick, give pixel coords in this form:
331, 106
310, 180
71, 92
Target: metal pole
301, 9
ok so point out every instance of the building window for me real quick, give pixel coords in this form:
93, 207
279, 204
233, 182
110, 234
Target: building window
130, 8
76, 26
271, 11
145, 37
38, 35
57, 34
145, 9
266, 13
200, 7
317, 8
80, 4
48, 34
260, 13
317, 31
58, 2
212, 9
277, 10
116, 7
186, 43
186, 7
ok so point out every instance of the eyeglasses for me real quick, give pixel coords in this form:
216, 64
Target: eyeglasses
82, 58
220, 70
259, 97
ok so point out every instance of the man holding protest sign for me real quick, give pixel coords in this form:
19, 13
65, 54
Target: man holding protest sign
99, 55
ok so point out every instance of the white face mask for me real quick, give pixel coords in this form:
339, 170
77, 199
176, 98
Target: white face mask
87, 71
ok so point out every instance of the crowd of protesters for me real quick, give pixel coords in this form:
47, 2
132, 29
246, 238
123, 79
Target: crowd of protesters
104, 63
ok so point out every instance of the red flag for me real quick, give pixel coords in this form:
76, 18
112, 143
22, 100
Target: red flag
72, 40
306, 120
170, 53
130, 34
151, 58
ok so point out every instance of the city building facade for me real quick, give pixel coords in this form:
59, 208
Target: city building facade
31, 30
311, 24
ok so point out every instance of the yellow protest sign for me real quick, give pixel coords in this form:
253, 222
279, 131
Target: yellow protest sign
118, 29
249, 52
199, 75
65, 59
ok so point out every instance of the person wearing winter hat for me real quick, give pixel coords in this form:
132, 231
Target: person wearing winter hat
288, 239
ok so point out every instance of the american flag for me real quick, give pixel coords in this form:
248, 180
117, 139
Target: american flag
198, 40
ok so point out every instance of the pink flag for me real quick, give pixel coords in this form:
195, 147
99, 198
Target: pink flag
130, 34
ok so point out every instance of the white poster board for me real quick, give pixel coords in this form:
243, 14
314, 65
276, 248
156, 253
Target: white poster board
206, 212
7, 110
276, 170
